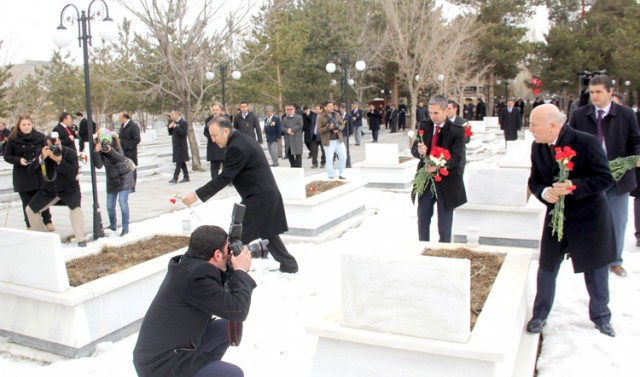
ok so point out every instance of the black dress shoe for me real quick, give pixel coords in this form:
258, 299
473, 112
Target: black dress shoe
125, 231
606, 329
341, 177
185, 180
289, 268
84, 244
173, 181
535, 326
314, 166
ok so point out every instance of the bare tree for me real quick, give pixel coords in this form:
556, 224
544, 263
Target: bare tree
424, 45
180, 47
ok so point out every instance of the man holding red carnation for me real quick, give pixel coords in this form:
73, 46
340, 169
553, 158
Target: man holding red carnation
439, 135
588, 236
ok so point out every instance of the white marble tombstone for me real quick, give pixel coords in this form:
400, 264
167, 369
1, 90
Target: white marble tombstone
381, 154
290, 182
33, 259
491, 122
487, 184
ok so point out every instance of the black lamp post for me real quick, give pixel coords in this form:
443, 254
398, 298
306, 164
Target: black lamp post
63, 39
236, 75
331, 67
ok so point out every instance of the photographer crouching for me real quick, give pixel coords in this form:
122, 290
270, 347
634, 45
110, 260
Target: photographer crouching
178, 337
59, 168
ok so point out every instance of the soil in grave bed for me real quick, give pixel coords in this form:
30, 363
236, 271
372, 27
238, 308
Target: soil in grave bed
114, 259
484, 269
318, 187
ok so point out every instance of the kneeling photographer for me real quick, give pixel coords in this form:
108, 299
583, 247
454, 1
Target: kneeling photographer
59, 168
178, 337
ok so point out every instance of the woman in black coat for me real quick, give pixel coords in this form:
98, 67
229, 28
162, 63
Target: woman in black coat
21, 150
374, 117
108, 153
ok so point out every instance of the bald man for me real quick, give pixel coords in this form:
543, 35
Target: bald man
589, 238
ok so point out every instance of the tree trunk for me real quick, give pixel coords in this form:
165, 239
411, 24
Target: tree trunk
193, 143
414, 101
489, 100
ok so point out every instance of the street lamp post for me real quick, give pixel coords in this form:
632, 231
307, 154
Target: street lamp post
63, 39
236, 75
346, 82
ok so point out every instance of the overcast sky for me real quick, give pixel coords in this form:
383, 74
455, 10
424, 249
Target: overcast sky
27, 26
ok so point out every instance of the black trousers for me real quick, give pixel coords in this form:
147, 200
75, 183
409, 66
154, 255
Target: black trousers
597, 282
215, 168
185, 172
280, 253
295, 160
216, 341
25, 198
316, 143
425, 213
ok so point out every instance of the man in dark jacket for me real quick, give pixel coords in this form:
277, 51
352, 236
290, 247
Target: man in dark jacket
481, 110
273, 132
307, 127
178, 337
589, 237
467, 110
246, 166
178, 129
247, 122
83, 130
510, 119
65, 132
129, 139
357, 115
422, 115
316, 140
4, 136
59, 168
439, 131
215, 154
617, 131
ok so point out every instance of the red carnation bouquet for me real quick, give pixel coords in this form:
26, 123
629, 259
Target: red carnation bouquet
437, 157
563, 158
468, 131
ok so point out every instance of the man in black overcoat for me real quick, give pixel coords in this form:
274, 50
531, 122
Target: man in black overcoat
245, 165
247, 122
178, 129
65, 133
510, 119
617, 131
481, 110
178, 337
468, 109
307, 127
129, 139
215, 154
451, 191
588, 228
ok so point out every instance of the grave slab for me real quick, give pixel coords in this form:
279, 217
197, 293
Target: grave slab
381, 154
491, 122
291, 182
489, 185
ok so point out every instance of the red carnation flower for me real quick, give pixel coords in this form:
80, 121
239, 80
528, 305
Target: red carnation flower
444, 172
173, 200
572, 187
569, 165
313, 189
420, 132
437, 178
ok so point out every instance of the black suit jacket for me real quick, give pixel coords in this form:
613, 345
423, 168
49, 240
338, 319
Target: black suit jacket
65, 140
172, 330
358, 114
588, 227
83, 129
249, 126
451, 137
245, 165
129, 140
621, 135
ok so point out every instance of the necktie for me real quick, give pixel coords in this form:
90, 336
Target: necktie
68, 130
552, 150
599, 123
434, 139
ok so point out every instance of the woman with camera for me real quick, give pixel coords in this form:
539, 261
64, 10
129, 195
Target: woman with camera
108, 153
21, 150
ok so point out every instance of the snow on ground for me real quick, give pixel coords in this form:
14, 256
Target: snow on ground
275, 342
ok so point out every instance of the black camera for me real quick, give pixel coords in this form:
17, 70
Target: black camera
53, 146
258, 249
105, 145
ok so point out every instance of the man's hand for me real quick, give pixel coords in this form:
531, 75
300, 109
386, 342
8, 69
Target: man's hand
71, 137
97, 147
289, 131
550, 195
242, 261
422, 149
638, 164
56, 159
431, 168
190, 198
46, 152
23, 162
562, 189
